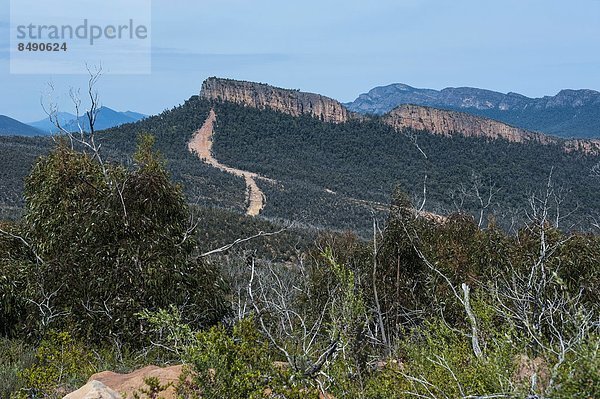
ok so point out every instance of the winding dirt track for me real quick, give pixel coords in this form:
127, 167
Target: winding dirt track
201, 145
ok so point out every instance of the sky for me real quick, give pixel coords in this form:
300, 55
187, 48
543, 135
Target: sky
339, 49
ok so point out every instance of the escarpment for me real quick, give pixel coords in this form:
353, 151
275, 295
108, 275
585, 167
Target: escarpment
448, 123
263, 96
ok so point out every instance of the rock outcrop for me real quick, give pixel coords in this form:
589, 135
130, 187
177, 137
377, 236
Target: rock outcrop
108, 383
590, 146
94, 390
263, 96
448, 123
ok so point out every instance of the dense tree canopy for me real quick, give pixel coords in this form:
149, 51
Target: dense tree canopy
106, 242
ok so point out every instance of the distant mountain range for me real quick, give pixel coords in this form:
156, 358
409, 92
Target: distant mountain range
570, 113
12, 127
106, 119
46, 127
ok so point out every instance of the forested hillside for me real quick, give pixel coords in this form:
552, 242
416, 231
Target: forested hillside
337, 175
172, 130
12, 127
366, 160
17, 155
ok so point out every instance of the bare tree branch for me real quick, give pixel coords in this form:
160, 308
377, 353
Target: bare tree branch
239, 241
24, 242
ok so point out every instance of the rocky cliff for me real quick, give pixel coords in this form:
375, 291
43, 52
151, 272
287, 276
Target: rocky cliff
263, 96
449, 123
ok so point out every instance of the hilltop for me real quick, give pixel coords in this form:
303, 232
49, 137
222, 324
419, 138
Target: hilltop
12, 127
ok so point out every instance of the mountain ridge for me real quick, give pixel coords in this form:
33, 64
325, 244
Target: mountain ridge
569, 113
332, 174
12, 127
416, 117
107, 118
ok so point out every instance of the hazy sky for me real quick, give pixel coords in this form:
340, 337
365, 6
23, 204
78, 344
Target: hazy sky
342, 49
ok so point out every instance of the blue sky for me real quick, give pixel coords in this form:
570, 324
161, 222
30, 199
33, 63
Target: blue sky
341, 49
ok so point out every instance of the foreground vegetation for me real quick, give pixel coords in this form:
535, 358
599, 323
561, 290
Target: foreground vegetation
109, 268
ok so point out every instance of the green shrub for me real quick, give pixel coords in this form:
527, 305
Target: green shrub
579, 378
123, 237
15, 356
62, 364
240, 366
438, 361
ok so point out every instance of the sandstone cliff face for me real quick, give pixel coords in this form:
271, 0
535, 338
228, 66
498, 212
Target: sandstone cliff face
263, 96
590, 146
448, 123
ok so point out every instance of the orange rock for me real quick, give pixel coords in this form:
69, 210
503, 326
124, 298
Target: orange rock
94, 390
262, 96
450, 123
127, 384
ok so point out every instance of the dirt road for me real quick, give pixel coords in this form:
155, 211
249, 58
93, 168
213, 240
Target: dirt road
201, 145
